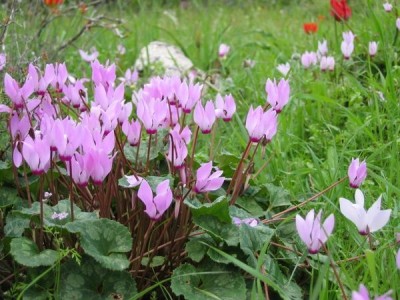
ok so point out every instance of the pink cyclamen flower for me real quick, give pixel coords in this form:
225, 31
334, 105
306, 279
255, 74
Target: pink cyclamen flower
366, 221
223, 50
255, 124
363, 294
312, 232
100, 164
152, 113
178, 140
36, 153
277, 94
3, 61
283, 69
130, 78
322, 48
132, 131
188, 95
270, 124
398, 23
204, 117
387, 7
308, 59
89, 57
205, 181
225, 107
347, 45
18, 96
104, 75
357, 172
372, 48
327, 63
155, 206
81, 168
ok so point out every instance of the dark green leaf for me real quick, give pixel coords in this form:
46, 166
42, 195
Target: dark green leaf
8, 197
90, 281
105, 240
215, 283
27, 253
16, 223
195, 247
218, 208
226, 232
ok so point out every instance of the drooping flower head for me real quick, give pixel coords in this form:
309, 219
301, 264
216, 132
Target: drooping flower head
357, 172
322, 48
308, 59
387, 7
283, 69
367, 221
277, 94
327, 63
205, 181
372, 48
225, 107
223, 50
158, 204
204, 117
312, 232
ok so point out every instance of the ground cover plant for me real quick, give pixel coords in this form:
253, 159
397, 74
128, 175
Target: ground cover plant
269, 171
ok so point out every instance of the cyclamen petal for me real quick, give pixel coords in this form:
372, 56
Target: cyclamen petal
146, 195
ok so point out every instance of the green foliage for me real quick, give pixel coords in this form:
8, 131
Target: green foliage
16, 223
105, 240
8, 197
219, 208
208, 282
27, 253
90, 280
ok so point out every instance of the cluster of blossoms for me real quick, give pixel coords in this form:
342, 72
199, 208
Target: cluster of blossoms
85, 139
314, 233
309, 59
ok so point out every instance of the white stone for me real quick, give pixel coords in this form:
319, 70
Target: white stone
170, 57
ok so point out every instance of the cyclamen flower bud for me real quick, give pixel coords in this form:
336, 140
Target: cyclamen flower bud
357, 172
372, 48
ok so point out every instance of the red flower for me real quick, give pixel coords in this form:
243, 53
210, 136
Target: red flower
310, 27
340, 10
52, 2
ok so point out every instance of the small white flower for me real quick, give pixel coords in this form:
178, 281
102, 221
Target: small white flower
367, 221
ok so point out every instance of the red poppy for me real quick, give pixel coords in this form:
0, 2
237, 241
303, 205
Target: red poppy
52, 2
310, 28
340, 10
